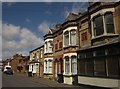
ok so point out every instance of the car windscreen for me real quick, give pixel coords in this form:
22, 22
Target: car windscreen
8, 68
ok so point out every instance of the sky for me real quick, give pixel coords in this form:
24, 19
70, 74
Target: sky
25, 23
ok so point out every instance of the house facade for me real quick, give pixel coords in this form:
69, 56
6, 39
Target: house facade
48, 54
36, 61
18, 60
70, 46
99, 60
58, 52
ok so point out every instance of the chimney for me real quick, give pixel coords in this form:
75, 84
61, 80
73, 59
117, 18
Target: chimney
58, 26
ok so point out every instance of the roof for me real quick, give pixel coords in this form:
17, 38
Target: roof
71, 16
36, 48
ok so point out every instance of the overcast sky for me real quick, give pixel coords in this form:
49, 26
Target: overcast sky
25, 23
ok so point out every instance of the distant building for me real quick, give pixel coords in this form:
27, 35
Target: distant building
36, 61
19, 61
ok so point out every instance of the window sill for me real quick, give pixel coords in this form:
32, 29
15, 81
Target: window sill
69, 74
70, 46
104, 35
48, 73
48, 53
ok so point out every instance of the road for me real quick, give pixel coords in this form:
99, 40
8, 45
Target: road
22, 80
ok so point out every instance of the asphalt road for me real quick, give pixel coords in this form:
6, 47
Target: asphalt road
22, 80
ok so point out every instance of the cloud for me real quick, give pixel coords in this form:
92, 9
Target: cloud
21, 40
44, 27
76, 8
10, 31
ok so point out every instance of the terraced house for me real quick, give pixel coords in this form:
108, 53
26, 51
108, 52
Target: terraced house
58, 53
48, 54
99, 53
70, 46
36, 61
85, 48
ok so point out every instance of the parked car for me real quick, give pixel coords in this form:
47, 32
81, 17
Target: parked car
8, 70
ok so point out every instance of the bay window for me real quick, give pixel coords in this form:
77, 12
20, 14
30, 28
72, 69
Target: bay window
67, 65
109, 22
74, 64
66, 38
89, 67
103, 24
45, 65
50, 46
73, 37
50, 66
112, 66
98, 26
99, 67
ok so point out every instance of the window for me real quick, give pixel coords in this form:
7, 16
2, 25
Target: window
81, 67
99, 67
73, 37
45, 66
50, 66
84, 36
89, 67
112, 66
98, 26
67, 65
45, 47
56, 47
66, 38
74, 64
109, 22
41, 54
60, 45
50, 46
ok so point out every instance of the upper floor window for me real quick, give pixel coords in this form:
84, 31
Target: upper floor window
109, 22
45, 47
50, 46
66, 38
98, 25
60, 45
73, 37
56, 46
41, 54
84, 36
103, 24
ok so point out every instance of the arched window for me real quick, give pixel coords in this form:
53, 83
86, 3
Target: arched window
73, 36
109, 22
66, 38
